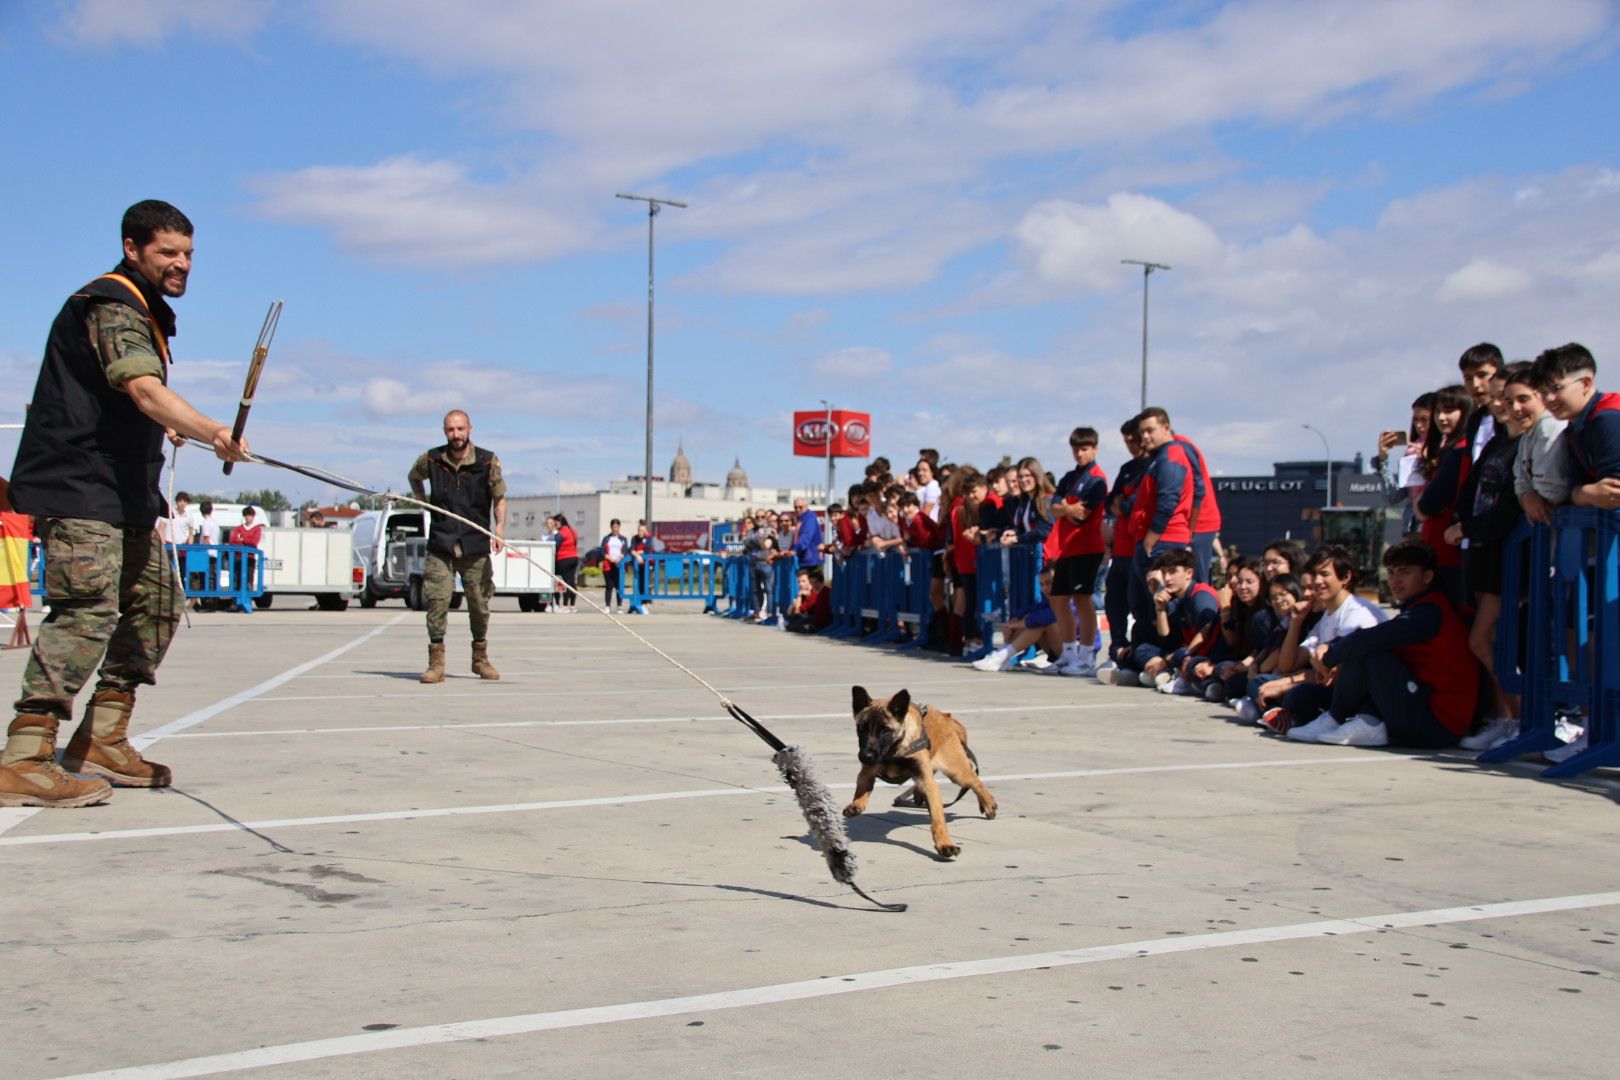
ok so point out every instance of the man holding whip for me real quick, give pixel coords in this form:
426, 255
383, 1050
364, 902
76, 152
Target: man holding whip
467, 481
88, 467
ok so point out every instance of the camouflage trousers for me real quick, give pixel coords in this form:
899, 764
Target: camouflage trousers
115, 601
439, 584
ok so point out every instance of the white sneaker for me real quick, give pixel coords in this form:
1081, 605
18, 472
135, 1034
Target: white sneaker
1118, 676
1000, 660
1316, 730
1503, 727
1248, 711
1177, 687
1567, 751
1360, 730
1152, 682
1085, 667
1039, 662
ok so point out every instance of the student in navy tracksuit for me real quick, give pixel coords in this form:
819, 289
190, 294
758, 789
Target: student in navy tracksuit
1186, 622
1117, 588
1593, 434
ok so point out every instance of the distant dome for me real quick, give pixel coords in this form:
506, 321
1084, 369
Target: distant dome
736, 478
680, 470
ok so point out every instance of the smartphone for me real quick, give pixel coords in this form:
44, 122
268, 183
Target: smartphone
1394, 438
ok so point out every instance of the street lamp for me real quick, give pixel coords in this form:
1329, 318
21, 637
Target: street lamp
828, 405
1329, 454
652, 212
559, 489
1147, 269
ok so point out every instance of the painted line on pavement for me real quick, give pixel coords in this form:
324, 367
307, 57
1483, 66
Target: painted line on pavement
10, 818
361, 729
630, 800
834, 985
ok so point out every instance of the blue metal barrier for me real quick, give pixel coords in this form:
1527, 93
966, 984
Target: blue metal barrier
1008, 581
222, 571
210, 571
914, 608
781, 587
1566, 656
692, 576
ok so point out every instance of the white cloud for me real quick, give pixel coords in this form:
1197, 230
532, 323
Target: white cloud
854, 362
148, 22
1075, 245
1483, 279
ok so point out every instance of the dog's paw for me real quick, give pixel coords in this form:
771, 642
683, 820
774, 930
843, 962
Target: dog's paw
948, 851
990, 812
852, 810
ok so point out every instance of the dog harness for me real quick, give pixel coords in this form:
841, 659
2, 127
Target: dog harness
922, 742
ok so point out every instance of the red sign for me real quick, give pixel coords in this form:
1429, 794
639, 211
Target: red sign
850, 434
679, 537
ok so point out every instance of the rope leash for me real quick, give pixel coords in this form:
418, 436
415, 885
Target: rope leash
821, 813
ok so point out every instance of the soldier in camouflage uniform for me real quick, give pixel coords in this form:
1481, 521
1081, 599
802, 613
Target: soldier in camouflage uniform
87, 469
466, 481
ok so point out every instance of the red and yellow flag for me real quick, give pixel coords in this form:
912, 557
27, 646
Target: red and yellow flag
15, 532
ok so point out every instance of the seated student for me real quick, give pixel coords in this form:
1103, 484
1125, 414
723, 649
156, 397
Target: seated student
1035, 625
1186, 617
1333, 572
1411, 681
1285, 595
1245, 623
811, 610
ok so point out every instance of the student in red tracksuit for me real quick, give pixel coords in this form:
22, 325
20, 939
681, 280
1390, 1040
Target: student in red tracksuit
1162, 514
923, 533
1206, 512
971, 488
1078, 507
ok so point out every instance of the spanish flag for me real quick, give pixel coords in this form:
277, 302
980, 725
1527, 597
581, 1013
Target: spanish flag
15, 531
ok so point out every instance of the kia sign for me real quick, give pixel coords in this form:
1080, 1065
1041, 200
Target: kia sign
849, 434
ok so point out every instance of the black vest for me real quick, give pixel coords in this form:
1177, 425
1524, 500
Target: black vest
463, 491
86, 450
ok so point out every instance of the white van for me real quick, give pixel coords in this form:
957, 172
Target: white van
392, 545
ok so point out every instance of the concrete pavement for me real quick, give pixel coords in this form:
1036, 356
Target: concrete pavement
589, 870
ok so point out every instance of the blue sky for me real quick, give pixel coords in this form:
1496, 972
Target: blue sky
912, 208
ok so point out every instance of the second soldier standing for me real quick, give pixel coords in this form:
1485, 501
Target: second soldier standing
466, 481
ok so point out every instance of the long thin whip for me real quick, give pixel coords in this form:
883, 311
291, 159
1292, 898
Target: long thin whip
798, 769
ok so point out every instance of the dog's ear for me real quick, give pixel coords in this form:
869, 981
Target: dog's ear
860, 699
900, 704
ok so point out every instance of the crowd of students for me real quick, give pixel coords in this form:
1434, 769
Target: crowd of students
1285, 639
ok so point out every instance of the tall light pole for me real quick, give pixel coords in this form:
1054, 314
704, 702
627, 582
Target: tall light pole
828, 405
559, 489
652, 212
1329, 454
1147, 270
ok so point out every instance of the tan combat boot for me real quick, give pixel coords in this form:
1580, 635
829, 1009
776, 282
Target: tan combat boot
435, 668
480, 664
30, 775
101, 745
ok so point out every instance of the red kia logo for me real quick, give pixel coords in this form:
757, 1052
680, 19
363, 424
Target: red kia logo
815, 431
855, 431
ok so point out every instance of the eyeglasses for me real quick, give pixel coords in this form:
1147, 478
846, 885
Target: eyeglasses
1558, 388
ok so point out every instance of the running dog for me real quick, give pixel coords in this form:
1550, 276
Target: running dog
900, 742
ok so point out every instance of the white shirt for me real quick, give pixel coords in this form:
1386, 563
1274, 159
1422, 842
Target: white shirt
928, 495
1351, 615
175, 530
208, 531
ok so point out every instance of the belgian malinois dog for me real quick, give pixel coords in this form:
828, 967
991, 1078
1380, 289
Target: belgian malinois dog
900, 742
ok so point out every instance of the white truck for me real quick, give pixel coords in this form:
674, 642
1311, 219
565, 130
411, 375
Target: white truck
310, 562
392, 546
